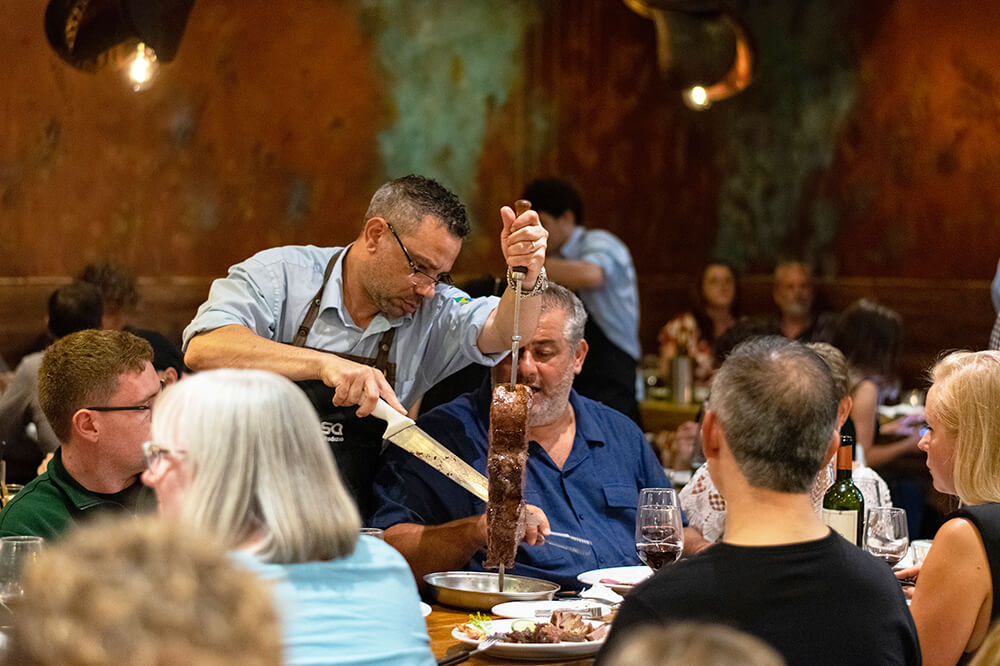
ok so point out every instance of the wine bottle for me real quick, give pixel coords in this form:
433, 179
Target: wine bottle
843, 503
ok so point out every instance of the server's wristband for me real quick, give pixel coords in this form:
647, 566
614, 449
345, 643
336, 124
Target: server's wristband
541, 282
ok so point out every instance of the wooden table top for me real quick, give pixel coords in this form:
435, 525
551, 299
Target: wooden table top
443, 619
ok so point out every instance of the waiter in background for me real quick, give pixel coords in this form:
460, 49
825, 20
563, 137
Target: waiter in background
598, 267
376, 319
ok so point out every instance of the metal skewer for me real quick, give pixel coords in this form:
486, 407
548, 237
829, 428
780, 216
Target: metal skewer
518, 273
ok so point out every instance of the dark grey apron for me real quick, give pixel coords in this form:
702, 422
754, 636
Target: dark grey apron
356, 443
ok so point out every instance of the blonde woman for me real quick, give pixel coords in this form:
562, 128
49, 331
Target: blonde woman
240, 454
954, 600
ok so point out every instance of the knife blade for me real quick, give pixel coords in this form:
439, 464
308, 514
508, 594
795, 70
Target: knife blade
404, 433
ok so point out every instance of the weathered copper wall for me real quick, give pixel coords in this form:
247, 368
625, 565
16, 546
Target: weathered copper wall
918, 162
868, 142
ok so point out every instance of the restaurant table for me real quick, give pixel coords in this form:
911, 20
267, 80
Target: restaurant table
660, 415
443, 619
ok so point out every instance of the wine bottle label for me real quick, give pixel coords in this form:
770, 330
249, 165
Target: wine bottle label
844, 523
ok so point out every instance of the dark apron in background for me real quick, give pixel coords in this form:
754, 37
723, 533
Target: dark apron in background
356, 443
608, 373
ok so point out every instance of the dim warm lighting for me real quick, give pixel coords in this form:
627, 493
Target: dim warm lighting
141, 68
696, 98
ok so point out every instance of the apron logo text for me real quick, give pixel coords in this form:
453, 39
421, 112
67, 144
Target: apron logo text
334, 432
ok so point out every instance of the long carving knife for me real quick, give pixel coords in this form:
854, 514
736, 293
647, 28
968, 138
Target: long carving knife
404, 433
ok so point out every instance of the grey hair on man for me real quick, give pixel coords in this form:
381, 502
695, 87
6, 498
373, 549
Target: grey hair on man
405, 201
558, 297
776, 403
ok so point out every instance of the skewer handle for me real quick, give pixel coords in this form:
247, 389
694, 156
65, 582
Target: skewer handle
519, 272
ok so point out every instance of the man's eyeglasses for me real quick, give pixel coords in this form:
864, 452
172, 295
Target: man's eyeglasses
155, 454
418, 278
126, 408
130, 408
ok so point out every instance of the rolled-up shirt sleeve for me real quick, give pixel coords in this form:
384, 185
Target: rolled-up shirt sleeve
251, 295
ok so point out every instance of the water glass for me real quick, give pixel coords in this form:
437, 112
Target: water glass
886, 534
15, 553
872, 491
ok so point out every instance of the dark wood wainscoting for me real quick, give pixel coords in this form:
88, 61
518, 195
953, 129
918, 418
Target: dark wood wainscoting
939, 315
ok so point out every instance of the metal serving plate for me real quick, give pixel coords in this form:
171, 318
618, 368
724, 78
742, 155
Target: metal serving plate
478, 590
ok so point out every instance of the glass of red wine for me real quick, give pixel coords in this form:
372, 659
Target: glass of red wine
886, 534
659, 531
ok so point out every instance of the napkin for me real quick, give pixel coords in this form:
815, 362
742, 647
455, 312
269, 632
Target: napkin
603, 593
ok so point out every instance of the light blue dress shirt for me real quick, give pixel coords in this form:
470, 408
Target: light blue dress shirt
270, 293
615, 306
360, 609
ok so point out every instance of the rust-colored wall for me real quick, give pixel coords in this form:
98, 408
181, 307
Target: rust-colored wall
868, 142
918, 162
262, 132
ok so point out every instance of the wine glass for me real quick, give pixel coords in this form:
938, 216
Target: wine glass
15, 553
886, 534
659, 531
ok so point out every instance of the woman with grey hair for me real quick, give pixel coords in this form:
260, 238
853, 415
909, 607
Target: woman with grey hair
240, 454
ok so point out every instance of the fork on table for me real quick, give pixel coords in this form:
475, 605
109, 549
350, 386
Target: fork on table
592, 612
483, 646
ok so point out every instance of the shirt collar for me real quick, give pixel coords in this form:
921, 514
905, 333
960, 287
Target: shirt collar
587, 426
82, 498
333, 297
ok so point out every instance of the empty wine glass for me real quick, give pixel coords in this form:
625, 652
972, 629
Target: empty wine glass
659, 531
15, 553
886, 534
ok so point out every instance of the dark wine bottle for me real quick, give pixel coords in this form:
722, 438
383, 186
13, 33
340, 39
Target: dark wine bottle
843, 503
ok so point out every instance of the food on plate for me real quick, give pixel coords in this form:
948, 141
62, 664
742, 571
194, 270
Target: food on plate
562, 627
506, 463
476, 627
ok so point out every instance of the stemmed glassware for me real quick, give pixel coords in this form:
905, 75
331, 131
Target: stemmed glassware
659, 530
886, 535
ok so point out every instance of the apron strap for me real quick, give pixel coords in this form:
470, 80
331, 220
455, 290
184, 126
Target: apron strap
381, 361
310, 318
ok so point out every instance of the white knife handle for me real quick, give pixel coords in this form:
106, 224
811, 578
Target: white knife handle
395, 420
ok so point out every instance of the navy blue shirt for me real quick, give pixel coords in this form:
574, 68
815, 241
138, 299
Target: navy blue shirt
592, 497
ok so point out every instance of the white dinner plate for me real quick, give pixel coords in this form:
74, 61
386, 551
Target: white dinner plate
531, 651
425, 609
626, 577
516, 609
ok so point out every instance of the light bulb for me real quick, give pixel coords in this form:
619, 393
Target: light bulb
696, 98
141, 68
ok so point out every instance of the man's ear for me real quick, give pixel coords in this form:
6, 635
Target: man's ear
372, 232
85, 425
579, 355
168, 376
844, 410
831, 450
711, 435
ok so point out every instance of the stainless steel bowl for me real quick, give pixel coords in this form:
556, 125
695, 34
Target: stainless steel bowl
479, 590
